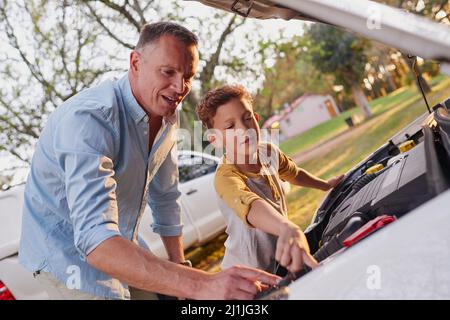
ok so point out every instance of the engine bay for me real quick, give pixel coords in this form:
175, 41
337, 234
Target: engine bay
410, 169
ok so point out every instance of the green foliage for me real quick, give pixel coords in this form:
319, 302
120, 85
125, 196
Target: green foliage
335, 51
289, 77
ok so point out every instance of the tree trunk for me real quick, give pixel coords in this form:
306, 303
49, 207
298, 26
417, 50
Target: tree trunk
387, 74
389, 79
361, 101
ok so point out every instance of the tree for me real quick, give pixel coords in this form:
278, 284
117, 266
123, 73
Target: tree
379, 58
438, 10
40, 70
342, 54
55, 49
289, 77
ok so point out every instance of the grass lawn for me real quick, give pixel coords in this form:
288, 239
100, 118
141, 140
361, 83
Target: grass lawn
302, 202
327, 130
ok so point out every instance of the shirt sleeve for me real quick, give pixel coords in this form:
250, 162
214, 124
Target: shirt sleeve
164, 197
233, 190
287, 169
84, 148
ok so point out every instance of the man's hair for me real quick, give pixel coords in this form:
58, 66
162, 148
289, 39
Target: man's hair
151, 32
207, 108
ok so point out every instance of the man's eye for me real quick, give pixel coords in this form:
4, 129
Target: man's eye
230, 126
168, 72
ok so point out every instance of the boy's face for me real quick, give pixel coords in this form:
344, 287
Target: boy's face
238, 129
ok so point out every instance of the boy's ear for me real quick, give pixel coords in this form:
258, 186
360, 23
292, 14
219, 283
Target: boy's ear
213, 139
256, 116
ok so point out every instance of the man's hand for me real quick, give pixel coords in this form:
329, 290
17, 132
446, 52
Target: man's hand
293, 249
237, 282
334, 182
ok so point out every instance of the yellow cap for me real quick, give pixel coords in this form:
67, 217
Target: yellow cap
407, 145
374, 168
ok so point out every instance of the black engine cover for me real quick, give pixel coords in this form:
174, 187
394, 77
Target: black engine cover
399, 188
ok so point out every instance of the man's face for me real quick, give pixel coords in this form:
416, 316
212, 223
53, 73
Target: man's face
238, 129
161, 74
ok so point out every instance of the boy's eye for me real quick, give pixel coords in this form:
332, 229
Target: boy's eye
168, 72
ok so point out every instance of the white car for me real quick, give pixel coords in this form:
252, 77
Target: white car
201, 217
405, 189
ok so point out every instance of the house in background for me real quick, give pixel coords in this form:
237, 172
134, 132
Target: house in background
305, 112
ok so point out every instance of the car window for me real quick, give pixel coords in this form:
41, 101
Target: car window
193, 166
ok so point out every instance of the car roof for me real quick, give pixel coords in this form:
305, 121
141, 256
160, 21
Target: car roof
394, 27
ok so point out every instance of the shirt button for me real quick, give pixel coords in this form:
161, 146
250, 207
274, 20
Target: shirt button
146, 118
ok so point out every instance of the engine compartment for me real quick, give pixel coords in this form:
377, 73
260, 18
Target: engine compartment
399, 187
404, 179
407, 171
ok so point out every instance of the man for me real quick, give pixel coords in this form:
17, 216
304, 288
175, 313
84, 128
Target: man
101, 155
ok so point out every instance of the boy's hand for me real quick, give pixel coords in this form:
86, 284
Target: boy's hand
333, 182
293, 249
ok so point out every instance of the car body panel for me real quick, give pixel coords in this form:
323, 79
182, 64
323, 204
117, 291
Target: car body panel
20, 281
11, 203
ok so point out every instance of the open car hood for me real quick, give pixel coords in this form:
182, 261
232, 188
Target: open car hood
392, 26
259, 9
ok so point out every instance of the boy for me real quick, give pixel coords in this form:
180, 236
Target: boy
248, 182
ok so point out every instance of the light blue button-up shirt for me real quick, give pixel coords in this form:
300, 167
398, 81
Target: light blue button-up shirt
90, 179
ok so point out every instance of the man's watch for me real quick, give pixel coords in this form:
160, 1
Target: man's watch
187, 263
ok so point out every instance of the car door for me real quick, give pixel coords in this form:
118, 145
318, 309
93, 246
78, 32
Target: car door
198, 194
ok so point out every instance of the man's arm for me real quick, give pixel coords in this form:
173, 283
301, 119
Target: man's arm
174, 248
131, 264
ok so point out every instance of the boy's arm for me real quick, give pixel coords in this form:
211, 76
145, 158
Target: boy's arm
290, 172
292, 247
306, 179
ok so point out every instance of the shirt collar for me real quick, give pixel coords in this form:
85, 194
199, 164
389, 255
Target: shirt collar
136, 111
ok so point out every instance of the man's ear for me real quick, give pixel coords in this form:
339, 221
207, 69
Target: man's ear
134, 61
256, 116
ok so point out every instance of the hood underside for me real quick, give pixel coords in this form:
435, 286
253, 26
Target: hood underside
396, 28
259, 9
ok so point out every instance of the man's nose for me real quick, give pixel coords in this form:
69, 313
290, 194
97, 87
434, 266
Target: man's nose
180, 86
